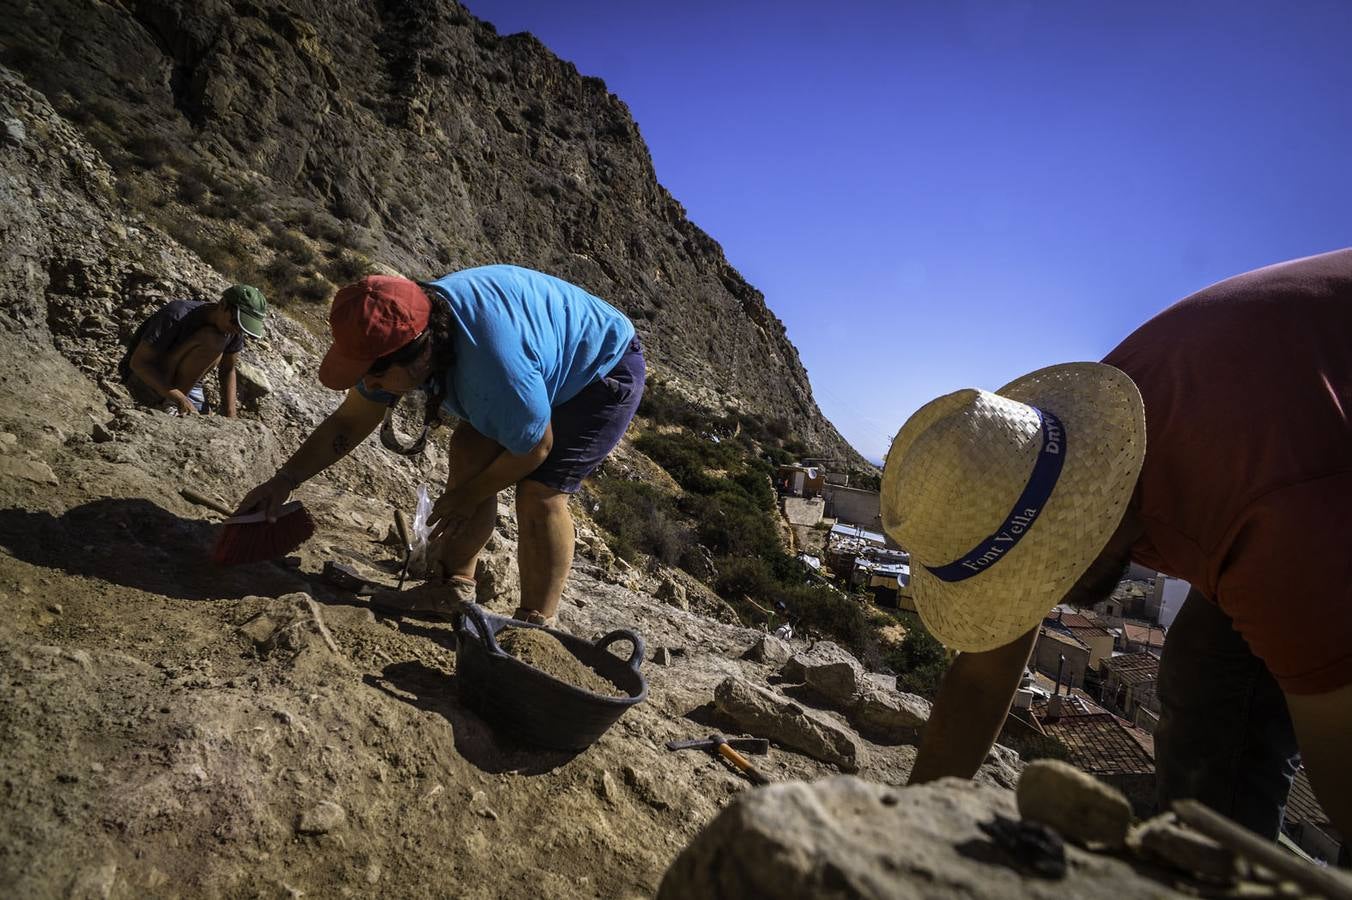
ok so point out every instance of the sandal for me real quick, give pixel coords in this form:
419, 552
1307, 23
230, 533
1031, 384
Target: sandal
440, 601
535, 617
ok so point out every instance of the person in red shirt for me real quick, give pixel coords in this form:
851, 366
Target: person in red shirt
1213, 444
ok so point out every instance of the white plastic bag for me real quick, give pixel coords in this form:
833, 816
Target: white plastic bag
420, 531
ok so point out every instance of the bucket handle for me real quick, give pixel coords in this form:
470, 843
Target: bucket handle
476, 618
624, 634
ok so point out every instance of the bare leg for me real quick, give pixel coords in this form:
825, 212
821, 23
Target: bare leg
194, 357
545, 549
458, 554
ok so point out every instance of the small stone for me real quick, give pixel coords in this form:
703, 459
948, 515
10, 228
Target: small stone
100, 433
97, 882
606, 787
96, 767
55, 608
478, 804
373, 873
323, 818
662, 656
650, 790
1078, 805
15, 132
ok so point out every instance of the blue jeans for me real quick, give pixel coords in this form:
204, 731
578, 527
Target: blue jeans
1224, 735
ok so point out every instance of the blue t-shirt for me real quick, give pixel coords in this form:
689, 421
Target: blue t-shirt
525, 342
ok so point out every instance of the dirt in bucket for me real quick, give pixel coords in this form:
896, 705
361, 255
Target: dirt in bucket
545, 652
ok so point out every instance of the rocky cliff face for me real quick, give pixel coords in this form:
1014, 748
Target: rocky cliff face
298, 144
168, 728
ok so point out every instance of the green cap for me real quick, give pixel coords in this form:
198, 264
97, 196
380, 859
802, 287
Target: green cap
250, 307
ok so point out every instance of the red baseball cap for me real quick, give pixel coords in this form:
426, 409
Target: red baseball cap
369, 319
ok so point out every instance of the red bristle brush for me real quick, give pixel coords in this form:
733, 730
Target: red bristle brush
251, 537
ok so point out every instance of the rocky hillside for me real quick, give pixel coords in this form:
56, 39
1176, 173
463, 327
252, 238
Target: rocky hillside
168, 728
299, 144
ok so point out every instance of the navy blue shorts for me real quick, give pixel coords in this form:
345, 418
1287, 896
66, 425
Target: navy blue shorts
588, 426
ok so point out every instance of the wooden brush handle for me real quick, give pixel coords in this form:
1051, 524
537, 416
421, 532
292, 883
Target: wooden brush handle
401, 526
193, 497
254, 518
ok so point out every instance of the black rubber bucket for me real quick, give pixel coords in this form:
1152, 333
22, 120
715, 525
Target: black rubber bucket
536, 707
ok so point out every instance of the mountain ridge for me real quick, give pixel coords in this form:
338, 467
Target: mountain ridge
397, 135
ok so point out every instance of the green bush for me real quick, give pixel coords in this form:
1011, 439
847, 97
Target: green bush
293, 244
349, 266
152, 150
842, 617
191, 189
745, 576
920, 661
732, 524
643, 520
687, 457
867, 481
665, 407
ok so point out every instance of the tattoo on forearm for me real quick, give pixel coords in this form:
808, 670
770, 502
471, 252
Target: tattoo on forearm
341, 444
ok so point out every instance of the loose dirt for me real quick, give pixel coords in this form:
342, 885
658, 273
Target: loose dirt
545, 652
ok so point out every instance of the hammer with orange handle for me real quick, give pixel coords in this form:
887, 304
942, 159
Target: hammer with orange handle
727, 748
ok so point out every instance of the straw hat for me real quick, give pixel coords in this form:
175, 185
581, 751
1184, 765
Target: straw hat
1004, 499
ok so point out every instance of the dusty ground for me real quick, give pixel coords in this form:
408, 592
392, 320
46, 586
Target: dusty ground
173, 729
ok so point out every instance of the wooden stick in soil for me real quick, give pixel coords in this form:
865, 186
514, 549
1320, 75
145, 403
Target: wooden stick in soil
201, 500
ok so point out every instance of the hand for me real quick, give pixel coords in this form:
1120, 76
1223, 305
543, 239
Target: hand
449, 515
185, 406
268, 498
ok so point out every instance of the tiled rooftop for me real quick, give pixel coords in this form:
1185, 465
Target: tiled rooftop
1139, 633
1101, 744
1134, 668
1086, 634
1301, 806
1079, 620
1062, 636
1047, 683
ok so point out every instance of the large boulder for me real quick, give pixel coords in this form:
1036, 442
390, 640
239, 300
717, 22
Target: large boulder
839, 681
672, 592
824, 653
844, 837
894, 716
770, 650
767, 714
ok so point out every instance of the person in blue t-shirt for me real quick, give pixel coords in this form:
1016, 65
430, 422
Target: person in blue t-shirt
545, 379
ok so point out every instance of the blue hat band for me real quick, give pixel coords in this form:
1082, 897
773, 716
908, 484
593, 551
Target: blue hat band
1026, 509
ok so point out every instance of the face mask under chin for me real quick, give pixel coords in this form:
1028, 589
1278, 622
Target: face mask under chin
390, 438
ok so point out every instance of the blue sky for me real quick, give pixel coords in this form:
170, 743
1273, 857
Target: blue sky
943, 195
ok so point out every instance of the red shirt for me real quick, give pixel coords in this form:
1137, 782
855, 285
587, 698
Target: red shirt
1246, 491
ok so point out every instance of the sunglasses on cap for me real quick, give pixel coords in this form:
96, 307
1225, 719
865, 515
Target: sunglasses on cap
401, 357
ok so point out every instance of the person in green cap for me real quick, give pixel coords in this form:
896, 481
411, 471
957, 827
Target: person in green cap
172, 351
